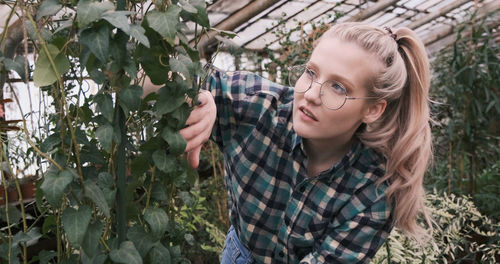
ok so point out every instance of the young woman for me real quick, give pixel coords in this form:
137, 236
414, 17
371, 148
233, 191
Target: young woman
320, 172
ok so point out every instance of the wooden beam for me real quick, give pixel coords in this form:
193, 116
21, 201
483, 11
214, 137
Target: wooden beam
448, 29
444, 42
370, 11
445, 10
235, 20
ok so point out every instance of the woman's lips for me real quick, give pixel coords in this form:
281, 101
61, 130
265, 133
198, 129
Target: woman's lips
307, 113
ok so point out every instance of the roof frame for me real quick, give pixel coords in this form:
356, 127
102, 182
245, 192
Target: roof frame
422, 16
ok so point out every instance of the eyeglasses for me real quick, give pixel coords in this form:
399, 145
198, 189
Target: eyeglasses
333, 94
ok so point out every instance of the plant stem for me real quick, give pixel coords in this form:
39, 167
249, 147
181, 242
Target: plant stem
6, 29
150, 188
20, 195
121, 178
58, 232
63, 99
23, 214
105, 245
31, 143
6, 193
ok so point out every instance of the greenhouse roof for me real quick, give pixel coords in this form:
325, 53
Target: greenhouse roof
255, 20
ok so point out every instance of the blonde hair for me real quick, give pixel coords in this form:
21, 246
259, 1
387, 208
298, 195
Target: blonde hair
402, 134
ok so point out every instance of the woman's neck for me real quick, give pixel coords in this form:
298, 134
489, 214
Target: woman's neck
322, 154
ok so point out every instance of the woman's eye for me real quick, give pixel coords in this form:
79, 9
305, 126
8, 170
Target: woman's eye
337, 87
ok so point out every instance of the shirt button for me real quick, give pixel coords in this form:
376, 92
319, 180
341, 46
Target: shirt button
302, 189
281, 254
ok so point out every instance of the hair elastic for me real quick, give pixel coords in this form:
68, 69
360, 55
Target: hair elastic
388, 29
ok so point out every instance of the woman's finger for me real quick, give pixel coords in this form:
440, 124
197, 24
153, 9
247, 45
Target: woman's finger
193, 157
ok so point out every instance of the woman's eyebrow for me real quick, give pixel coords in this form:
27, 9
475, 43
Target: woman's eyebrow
333, 76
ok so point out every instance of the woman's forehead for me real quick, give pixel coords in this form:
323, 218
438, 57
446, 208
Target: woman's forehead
336, 57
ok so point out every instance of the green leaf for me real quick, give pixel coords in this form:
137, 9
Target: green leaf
158, 220
49, 224
95, 193
14, 214
174, 139
154, 60
181, 114
189, 239
105, 180
159, 255
44, 72
105, 135
97, 76
54, 184
118, 19
90, 11
137, 32
225, 33
169, 98
97, 41
106, 183
127, 254
47, 256
105, 105
130, 96
16, 65
81, 137
140, 165
48, 8
90, 244
21, 237
44, 32
182, 64
165, 23
188, 7
75, 223
163, 162
50, 143
140, 238
202, 15
159, 192
97, 259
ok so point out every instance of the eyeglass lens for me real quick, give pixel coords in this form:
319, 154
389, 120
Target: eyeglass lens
333, 94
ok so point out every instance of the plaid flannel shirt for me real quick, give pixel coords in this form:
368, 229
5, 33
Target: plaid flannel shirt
280, 214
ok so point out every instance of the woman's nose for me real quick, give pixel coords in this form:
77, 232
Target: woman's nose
313, 93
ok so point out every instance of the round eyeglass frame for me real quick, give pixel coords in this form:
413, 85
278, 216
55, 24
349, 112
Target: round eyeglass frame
302, 68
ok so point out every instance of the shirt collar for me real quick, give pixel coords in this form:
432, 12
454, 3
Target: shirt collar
337, 169
346, 162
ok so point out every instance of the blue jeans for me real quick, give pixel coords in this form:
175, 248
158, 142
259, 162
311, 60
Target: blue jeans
234, 252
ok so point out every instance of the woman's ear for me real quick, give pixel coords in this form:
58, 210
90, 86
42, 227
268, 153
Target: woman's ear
374, 111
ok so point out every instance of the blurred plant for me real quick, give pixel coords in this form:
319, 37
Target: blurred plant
464, 236
466, 84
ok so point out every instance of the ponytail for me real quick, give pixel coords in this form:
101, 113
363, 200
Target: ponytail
410, 147
402, 134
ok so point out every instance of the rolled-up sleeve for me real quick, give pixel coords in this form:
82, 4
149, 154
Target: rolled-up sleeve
241, 98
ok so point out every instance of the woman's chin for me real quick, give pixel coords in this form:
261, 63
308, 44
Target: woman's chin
302, 130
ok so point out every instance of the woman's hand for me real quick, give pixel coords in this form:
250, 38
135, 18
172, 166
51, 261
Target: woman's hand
199, 127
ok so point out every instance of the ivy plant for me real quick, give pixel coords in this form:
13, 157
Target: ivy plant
111, 161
